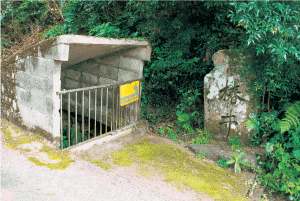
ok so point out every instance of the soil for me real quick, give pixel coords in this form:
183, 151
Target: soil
147, 175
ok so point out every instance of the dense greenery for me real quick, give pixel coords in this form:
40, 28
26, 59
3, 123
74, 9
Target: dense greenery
184, 35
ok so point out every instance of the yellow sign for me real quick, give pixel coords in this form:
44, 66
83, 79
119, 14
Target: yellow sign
129, 92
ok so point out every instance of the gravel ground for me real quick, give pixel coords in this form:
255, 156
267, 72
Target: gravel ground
24, 180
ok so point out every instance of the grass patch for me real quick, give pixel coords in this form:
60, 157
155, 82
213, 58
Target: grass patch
180, 168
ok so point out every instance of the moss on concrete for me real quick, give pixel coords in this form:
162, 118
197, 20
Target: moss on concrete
25, 138
180, 169
102, 164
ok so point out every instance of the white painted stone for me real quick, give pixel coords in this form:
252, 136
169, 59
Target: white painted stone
221, 100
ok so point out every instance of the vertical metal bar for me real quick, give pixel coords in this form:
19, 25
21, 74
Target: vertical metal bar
106, 108
76, 117
89, 114
116, 110
112, 117
125, 114
130, 112
61, 123
95, 112
120, 106
82, 117
69, 126
101, 112
135, 110
139, 105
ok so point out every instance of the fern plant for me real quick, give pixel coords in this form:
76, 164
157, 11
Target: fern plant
292, 118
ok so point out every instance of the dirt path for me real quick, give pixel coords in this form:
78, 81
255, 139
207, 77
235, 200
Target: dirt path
139, 167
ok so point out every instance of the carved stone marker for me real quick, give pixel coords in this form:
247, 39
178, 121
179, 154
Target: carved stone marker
227, 102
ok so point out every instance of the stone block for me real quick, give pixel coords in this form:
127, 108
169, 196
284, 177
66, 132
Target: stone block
90, 66
103, 81
131, 64
142, 53
70, 84
34, 118
22, 79
108, 72
23, 95
41, 67
109, 61
56, 52
89, 78
74, 75
227, 102
42, 102
125, 75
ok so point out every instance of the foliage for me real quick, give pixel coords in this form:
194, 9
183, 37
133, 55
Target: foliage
237, 160
281, 169
222, 163
201, 155
204, 137
273, 40
188, 114
72, 136
292, 118
235, 143
264, 126
22, 23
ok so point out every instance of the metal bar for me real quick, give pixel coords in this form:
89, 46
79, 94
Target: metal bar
61, 123
95, 111
89, 114
76, 117
83, 89
82, 124
101, 112
125, 114
113, 113
130, 112
140, 90
120, 106
135, 110
106, 108
116, 111
69, 123
97, 87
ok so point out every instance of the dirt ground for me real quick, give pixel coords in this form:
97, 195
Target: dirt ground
141, 157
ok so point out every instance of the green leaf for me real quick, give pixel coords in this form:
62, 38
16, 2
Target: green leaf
230, 161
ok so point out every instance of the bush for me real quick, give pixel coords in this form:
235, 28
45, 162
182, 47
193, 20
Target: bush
281, 170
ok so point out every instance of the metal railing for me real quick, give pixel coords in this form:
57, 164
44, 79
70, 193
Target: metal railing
106, 108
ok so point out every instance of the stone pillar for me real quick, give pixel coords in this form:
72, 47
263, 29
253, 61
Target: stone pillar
227, 102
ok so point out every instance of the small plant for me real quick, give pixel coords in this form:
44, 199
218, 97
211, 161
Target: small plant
235, 143
203, 138
237, 160
222, 162
201, 155
72, 136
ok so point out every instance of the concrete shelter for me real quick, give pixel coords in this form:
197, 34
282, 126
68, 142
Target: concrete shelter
65, 62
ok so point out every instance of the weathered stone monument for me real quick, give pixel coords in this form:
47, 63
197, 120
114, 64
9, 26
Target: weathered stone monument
227, 101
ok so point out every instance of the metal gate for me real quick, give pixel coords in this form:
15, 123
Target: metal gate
87, 113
